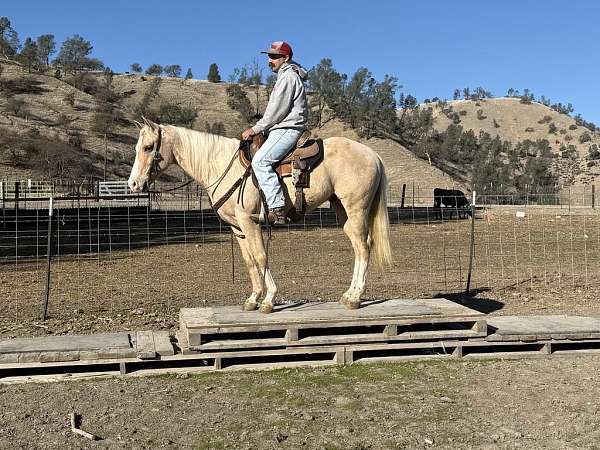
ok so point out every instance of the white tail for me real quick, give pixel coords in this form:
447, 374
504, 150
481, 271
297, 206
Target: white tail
379, 225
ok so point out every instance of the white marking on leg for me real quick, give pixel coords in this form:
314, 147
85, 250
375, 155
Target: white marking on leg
352, 287
253, 297
361, 279
271, 287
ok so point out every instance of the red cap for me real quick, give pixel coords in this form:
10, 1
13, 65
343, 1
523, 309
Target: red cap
280, 48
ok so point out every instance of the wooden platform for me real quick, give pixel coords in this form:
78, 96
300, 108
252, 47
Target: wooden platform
309, 335
229, 328
103, 346
532, 328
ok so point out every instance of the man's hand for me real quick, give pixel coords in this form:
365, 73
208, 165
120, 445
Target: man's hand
247, 134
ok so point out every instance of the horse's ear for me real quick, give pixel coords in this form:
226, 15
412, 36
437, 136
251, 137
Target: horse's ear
137, 124
151, 124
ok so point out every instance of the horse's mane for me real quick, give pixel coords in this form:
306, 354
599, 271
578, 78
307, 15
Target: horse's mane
205, 152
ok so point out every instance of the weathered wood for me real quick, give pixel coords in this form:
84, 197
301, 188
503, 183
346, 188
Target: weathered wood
209, 329
66, 343
390, 330
531, 328
163, 344
291, 334
49, 349
327, 335
288, 357
144, 345
320, 313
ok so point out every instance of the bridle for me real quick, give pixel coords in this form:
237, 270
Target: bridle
155, 169
156, 156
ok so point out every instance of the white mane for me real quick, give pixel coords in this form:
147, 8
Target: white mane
207, 153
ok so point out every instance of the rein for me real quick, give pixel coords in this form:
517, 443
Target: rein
216, 205
155, 169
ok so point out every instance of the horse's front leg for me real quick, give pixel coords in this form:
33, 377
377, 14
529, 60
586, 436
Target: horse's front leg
252, 301
256, 248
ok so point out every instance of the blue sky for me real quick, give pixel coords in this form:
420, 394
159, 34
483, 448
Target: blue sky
432, 47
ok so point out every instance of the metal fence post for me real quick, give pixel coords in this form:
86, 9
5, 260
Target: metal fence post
472, 246
403, 194
49, 259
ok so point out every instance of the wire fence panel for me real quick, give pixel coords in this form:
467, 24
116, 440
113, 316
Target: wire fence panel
122, 263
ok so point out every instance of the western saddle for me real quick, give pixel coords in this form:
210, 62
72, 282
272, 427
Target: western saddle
298, 164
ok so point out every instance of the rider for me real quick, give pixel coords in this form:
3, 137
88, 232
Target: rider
285, 120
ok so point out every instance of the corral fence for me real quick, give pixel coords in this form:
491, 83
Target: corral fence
112, 256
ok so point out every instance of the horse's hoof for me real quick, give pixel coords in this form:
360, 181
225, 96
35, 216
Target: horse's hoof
266, 308
249, 306
343, 300
352, 304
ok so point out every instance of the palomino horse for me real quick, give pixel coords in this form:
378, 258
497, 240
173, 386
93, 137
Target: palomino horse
351, 176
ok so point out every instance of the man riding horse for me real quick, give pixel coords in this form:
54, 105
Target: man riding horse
285, 120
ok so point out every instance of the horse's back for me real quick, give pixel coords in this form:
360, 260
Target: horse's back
343, 155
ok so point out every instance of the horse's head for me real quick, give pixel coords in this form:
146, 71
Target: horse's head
152, 156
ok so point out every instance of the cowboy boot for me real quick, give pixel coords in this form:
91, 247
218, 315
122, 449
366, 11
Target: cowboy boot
276, 216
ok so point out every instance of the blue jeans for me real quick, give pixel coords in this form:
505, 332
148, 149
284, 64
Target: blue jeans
277, 145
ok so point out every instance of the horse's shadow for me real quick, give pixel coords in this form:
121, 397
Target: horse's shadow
484, 305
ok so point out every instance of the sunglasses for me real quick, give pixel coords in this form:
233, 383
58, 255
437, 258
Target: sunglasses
275, 56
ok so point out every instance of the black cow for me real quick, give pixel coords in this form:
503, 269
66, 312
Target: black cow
451, 198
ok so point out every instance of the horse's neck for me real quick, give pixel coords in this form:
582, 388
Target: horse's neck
208, 163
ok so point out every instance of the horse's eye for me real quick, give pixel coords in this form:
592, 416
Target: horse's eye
148, 147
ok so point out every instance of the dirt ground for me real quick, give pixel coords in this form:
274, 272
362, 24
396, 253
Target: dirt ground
533, 404
521, 268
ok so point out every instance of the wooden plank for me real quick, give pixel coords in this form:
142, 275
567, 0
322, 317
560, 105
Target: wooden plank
327, 335
163, 344
538, 327
144, 345
66, 343
282, 328
319, 313
254, 360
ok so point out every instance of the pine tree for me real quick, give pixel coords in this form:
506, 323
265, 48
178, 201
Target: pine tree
154, 69
213, 74
9, 39
73, 55
189, 75
173, 70
29, 54
46, 46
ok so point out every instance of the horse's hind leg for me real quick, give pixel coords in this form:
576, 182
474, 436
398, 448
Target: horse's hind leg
356, 228
336, 204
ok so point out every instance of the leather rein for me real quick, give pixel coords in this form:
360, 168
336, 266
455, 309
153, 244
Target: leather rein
155, 168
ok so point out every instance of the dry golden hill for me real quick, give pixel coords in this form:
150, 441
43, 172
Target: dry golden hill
51, 113
58, 110
514, 121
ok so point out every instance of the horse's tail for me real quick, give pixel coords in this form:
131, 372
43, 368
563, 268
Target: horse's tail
379, 223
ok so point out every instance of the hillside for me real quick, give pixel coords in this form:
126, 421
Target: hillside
514, 121
59, 112
48, 106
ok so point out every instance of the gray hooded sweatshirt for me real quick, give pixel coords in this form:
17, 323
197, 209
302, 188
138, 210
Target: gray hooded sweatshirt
287, 107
